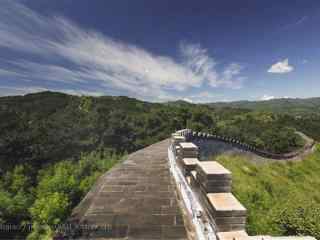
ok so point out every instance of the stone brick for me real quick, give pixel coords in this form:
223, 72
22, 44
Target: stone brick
213, 170
213, 177
233, 235
135, 200
189, 164
188, 150
173, 232
228, 213
177, 139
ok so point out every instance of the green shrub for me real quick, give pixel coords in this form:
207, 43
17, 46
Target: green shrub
300, 218
281, 198
61, 187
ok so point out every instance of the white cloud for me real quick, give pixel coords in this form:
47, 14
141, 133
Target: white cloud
187, 100
267, 97
231, 76
198, 60
281, 67
62, 52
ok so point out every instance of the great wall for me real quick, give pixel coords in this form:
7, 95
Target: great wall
165, 191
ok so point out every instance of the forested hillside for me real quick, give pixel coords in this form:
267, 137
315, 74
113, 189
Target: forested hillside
53, 146
294, 106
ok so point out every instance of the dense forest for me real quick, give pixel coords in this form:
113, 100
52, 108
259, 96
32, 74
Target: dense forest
53, 146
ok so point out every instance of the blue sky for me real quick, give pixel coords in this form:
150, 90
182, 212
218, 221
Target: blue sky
200, 51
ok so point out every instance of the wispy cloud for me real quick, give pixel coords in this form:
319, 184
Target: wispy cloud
198, 60
232, 77
281, 67
296, 23
58, 51
301, 20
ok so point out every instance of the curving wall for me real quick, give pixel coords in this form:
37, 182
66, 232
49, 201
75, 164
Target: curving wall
211, 183
205, 141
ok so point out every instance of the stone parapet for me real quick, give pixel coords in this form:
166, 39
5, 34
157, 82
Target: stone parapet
191, 135
233, 235
188, 150
227, 211
213, 177
211, 182
189, 164
176, 139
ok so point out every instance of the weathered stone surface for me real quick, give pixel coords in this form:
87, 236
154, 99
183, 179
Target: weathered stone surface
226, 202
188, 146
213, 170
209, 188
228, 213
238, 235
266, 237
189, 164
176, 149
134, 200
213, 177
176, 139
188, 150
193, 180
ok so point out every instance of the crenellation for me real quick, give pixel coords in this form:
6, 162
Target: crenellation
212, 183
189, 164
238, 235
188, 150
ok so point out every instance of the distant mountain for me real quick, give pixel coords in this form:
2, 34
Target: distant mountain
180, 103
294, 106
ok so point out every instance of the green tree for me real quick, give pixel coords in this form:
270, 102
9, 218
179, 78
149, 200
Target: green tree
300, 218
46, 212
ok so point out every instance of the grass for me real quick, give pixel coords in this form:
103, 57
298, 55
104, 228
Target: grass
282, 198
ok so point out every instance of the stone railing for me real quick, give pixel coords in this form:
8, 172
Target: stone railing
192, 135
211, 183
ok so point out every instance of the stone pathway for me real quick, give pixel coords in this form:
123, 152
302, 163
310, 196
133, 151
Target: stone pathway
134, 200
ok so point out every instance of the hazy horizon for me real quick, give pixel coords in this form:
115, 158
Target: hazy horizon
184, 100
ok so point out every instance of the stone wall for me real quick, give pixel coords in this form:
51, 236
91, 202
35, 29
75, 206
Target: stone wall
211, 183
222, 143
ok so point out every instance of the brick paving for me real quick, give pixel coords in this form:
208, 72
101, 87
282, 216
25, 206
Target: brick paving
134, 200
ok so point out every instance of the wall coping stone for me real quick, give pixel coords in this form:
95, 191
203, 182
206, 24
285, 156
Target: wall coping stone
225, 202
188, 145
232, 235
213, 168
190, 161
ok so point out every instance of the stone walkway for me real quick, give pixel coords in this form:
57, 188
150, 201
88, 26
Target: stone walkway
134, 200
